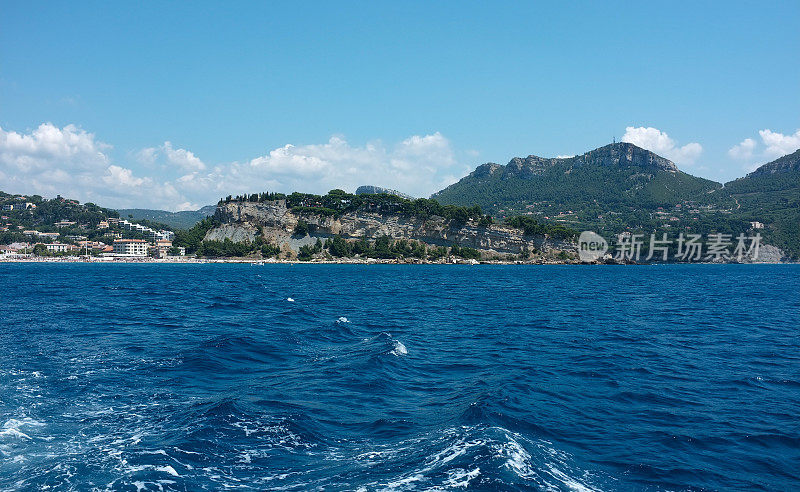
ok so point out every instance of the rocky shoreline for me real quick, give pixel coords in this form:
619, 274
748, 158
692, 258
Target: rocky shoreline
356, 261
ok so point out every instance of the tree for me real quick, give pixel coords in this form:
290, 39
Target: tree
301, 229
40, 250
191, 239
269, 250
339, 247
305, 253
361, 247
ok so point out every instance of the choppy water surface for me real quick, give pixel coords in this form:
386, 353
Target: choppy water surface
304, 377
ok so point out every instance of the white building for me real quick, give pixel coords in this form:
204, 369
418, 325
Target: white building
59, 247
149, 232
130, 247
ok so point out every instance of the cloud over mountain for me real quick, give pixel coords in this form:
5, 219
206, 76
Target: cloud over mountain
773, 145
659, 142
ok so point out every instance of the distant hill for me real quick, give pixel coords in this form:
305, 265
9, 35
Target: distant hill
177, 220
770, 194
616, 175
377, 190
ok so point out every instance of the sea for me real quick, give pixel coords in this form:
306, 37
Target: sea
139, 377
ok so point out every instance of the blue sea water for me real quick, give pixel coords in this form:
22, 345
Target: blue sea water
356, 377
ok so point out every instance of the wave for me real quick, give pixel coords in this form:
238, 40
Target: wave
479, 457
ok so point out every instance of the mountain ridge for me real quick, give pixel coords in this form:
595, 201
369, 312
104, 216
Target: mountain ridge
621, 187
617, 172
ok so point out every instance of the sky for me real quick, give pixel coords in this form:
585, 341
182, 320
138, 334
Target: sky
173, 105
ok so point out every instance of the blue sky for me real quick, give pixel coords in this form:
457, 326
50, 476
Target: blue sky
172, 105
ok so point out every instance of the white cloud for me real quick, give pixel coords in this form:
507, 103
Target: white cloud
779, 144
73, 163
183, 159
773, 145
118, 177
416, 165
36, 151
181, 207
147, 156
743, 151
659, 142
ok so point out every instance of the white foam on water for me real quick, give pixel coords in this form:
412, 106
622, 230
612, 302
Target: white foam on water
143, 486
14, 433
469, 452
460, 478
403, 483
342, 319
167, 469
188, 452
518, 459
12, 428
459, 448
290, 299
570, 482
399, 349
521, 462
437, 461
157, 451
163, 469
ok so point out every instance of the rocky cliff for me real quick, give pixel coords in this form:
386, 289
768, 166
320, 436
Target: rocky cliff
785, 164
242, 221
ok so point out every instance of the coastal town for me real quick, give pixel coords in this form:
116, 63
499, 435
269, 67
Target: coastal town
34, 228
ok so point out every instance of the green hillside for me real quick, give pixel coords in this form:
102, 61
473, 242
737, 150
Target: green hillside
621, 187
771, 195
617, 175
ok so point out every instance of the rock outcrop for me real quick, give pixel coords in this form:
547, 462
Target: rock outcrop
242, 221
